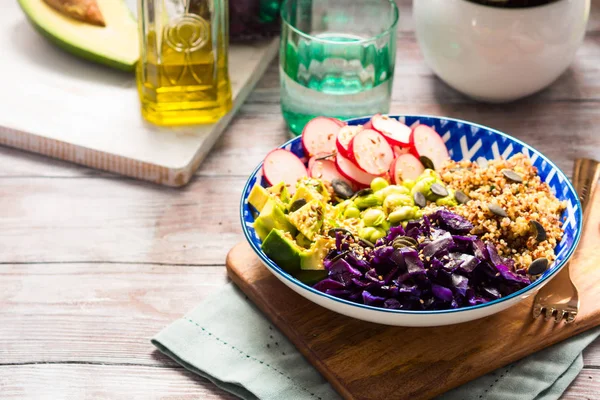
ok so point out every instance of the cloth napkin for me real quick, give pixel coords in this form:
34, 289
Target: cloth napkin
227, 340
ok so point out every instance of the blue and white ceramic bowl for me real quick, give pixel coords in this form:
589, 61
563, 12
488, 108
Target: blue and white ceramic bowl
465, 141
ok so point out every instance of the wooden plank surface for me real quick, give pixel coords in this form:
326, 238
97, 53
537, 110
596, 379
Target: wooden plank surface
92, 265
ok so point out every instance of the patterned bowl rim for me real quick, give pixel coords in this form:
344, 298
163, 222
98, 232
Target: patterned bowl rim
554, 270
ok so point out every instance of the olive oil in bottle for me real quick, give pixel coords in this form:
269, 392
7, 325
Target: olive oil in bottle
182, 74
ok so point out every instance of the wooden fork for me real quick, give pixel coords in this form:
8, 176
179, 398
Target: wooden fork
559, 297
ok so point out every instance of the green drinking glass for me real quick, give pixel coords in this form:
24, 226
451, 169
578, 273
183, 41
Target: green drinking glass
337, 59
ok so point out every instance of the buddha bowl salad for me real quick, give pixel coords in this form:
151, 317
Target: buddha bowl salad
381, 216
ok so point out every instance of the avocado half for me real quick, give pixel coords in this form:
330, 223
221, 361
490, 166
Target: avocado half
115, 44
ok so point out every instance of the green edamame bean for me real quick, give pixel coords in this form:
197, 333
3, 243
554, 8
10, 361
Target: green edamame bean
378, 184
423, 185
402, 214
448, 201
373, 217
367, 201
408, 183
394, 201
419, 214
366, 232
352, 212
378, 234
430, 173
385, 225
392, 189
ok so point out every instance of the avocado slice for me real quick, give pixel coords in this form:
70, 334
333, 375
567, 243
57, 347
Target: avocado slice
306, 193
258, 197
308, 218
310, 277
272, 217
115, 44
281, 192
312, 259
282, 250
303, 241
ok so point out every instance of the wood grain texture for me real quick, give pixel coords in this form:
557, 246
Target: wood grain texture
95, 313
59, 220
340, 347
99, 382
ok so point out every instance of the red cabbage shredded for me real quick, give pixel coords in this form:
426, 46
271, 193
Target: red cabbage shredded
448, 268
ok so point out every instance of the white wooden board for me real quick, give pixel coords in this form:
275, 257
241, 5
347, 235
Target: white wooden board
55, 104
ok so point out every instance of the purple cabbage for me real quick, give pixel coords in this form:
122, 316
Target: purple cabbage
450, 268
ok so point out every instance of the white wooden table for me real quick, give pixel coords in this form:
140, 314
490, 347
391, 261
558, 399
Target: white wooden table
93, 265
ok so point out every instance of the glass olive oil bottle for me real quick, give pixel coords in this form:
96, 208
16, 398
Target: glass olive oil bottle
182, 74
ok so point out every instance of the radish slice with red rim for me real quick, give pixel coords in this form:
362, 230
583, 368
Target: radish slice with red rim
406, 166
371, 152
398, 151
283, 166
351, 172
394, 131
320, 134
426, 142
345, 136
325, 169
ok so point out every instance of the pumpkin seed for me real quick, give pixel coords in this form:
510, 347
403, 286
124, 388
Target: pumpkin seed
404, 241
496, 209
540, 232
342, 189
482, 162
427, 163
512, 176
363, 192
366, 243
342, 254
538, 266
399, 245
461, 197
420, 199
332, 232
295, 206
439, 190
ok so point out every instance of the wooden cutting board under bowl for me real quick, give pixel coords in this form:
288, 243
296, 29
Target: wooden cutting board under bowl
367, 361
60, 106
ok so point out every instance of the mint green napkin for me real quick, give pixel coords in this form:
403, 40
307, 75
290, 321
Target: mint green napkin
227, 340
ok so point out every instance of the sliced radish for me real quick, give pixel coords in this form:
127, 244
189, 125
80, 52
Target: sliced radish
371, 152
325, 169
351, 172
369, 125
394, 131
406, 166
344, 137
283, 166
426, 142
398, 151
319, 135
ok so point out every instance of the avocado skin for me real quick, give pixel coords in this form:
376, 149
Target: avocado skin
310, 277
77, 51
284, 252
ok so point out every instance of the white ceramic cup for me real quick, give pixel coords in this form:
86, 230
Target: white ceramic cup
499, 54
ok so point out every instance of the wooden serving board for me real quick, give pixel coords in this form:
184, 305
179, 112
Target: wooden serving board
363, 360
58, 105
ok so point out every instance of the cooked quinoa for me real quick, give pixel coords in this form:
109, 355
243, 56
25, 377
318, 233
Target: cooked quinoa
523, 202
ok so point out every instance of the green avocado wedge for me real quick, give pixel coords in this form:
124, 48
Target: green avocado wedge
115, 45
